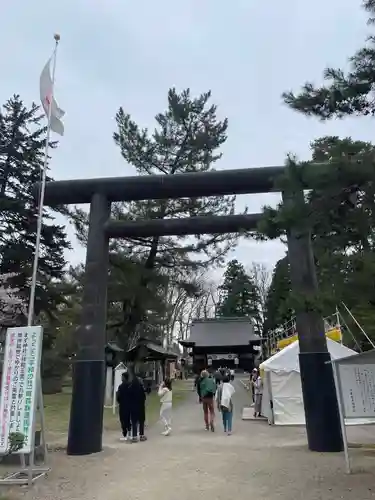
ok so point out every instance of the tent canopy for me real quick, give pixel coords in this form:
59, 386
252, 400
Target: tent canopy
287, 359
282, 401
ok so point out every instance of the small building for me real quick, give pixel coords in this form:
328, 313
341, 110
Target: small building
113, 354
152, 359
227, 342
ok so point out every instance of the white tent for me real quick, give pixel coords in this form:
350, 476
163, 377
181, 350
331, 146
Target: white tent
282, 401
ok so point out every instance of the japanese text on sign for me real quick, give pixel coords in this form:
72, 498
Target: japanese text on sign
357, 385
19, 384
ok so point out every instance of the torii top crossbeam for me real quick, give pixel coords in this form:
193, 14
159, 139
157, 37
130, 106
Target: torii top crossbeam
187, 185
190, 185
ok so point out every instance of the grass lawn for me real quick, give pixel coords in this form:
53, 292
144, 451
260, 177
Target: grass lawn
57, 409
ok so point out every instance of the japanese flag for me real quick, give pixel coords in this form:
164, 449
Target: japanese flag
47, 100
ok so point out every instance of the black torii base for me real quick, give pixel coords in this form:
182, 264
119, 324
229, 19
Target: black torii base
86, 413
321, 407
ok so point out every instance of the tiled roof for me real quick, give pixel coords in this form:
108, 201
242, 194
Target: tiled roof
155, 349
222, 332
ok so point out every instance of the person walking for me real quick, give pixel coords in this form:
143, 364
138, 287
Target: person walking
197, 385
165, 395
218, 377
224, 401
258, 393
253, 377
137, 397
123, 400
207, 387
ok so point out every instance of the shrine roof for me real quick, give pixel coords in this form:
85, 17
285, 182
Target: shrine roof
221, 332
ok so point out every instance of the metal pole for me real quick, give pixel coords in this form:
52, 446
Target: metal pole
342, 418
30, 314
338, 324
351, 333
359, 326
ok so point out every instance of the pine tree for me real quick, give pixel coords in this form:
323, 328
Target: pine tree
278, 303
342, 233
239, 296
188, 138
22, 140
345, 94
12, 308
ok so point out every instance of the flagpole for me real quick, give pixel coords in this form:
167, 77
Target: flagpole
30, 315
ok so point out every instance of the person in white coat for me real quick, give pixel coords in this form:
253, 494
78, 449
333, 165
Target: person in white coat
224, 402
165, 395
258, 393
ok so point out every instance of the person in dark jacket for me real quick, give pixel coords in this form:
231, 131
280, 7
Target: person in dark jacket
197, 386
207, 393
137, 398
218, 377
123, 401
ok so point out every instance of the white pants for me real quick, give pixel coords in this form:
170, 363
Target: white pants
166, 414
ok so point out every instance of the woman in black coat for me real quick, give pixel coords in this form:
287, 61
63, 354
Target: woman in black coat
137, 400
123, 401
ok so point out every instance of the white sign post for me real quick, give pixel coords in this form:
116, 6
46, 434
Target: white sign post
108, 387
119, 370
355, 388
21, 397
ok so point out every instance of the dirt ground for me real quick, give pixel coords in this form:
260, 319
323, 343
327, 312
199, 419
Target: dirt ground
259, 461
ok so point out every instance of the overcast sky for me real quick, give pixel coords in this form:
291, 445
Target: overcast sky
128, 53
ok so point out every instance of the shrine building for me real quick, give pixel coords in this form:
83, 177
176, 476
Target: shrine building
222, 342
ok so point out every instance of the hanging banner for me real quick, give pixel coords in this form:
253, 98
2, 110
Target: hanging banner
217, 357
18, 399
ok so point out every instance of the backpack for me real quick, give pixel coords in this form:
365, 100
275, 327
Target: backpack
211, 391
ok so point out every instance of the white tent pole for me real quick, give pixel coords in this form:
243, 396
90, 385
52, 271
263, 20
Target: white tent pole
338, 322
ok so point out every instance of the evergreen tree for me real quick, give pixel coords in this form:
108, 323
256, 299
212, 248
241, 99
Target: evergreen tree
188, 138
345, 94
239, 296
278, 308
344, 242
342, 232
11, 305
22, 141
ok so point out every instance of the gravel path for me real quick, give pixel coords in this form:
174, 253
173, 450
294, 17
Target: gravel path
257, 461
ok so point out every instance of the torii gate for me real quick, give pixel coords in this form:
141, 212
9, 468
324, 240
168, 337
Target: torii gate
86, 418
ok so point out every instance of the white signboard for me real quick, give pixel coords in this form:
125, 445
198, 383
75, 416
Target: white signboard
19, 385
357, 387
119, 370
